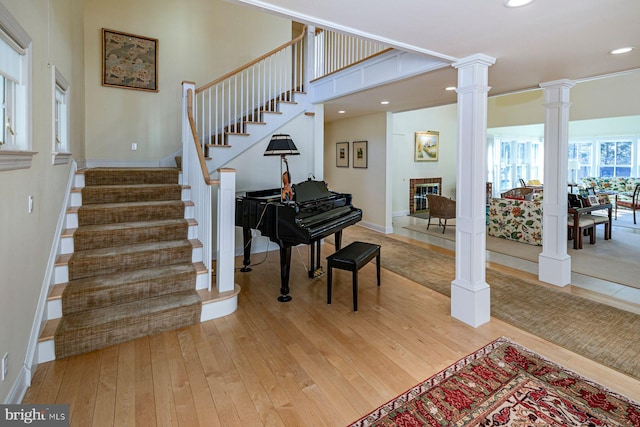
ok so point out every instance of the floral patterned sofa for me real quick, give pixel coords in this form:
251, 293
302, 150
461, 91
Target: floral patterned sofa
621, 185
519, 220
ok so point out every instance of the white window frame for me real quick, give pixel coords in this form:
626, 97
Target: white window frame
17, 154
518, 168
595, 165
60, 112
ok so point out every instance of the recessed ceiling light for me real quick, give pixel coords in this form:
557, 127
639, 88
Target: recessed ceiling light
621, 50
384, 102
341, 112
450, 88
516, 3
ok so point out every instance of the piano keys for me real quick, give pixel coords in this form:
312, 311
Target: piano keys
315, 213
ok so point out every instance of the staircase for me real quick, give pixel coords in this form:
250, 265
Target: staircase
131, 268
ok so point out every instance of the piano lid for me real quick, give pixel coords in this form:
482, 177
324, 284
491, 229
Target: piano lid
306, 191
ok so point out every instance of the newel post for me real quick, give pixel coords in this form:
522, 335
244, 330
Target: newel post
226, 230
187, 137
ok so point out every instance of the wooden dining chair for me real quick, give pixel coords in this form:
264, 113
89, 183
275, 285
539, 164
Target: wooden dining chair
633, 204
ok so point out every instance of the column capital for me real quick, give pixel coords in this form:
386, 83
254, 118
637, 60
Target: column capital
562, 83
478, 58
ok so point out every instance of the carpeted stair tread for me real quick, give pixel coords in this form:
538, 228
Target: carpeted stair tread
82, 332
130, 193
130, 212
131, 176
132, 272
95, 262
129, 233
109, 289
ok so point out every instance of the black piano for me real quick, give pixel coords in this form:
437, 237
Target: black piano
314, 213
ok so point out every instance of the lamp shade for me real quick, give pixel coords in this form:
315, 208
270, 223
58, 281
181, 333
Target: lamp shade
574, 165
281, 145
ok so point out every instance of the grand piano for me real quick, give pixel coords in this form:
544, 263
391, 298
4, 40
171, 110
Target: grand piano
314, 213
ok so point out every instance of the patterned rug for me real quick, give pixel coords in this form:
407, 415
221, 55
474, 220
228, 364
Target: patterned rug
505, 384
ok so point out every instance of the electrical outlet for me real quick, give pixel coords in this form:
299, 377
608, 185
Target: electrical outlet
5, 366
134, 146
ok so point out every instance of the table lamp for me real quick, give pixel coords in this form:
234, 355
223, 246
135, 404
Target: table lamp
282, 145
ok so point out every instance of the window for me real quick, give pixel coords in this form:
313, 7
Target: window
15, 91
582, 151
615, 158
605, 157
60, 138
515, 159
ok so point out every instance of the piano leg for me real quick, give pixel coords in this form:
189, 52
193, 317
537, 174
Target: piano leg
338, 239
285, 268
246, 240
315, 268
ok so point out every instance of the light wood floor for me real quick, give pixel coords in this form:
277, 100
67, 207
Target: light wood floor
302, 363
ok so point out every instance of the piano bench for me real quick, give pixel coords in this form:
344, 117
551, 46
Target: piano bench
352, 258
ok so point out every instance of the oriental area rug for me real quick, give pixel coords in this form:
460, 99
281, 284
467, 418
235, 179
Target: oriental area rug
505, 384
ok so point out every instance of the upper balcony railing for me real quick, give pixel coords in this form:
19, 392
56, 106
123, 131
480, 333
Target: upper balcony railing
225, 105
336, 51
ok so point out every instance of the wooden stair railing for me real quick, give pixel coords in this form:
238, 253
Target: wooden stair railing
227, 104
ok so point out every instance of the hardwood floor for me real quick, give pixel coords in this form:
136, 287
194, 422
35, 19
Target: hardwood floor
302, 363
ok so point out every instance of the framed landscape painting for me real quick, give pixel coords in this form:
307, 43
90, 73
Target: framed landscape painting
426, 146
129, 61
342, 154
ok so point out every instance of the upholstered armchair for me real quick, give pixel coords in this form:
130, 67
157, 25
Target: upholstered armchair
442, 208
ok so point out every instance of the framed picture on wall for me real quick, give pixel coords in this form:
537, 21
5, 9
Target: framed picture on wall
360, 154
426, 146
342, 154
129, 61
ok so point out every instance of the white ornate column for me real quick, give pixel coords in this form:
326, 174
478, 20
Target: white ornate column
554, 265
470, 298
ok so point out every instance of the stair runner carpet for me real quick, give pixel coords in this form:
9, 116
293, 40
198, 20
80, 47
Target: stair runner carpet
131, 273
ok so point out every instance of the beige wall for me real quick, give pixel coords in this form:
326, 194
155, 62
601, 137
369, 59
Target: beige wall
615, 96
368, 186
198, 40
26, 238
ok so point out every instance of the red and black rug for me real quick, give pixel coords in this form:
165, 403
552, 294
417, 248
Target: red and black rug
505, 384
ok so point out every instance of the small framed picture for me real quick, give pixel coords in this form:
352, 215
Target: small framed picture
593, 200
426, 146
360, 154
342, 154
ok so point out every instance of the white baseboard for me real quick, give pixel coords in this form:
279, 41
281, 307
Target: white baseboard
375, 227
19, 387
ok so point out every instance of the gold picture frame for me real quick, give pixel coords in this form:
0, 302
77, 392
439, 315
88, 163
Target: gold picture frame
426, 146
129, 61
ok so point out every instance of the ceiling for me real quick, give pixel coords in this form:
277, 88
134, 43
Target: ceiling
544, 41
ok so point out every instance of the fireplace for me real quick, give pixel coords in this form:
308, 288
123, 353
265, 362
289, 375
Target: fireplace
418, 190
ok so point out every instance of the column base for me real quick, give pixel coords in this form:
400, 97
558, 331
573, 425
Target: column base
555, 271
471, 306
